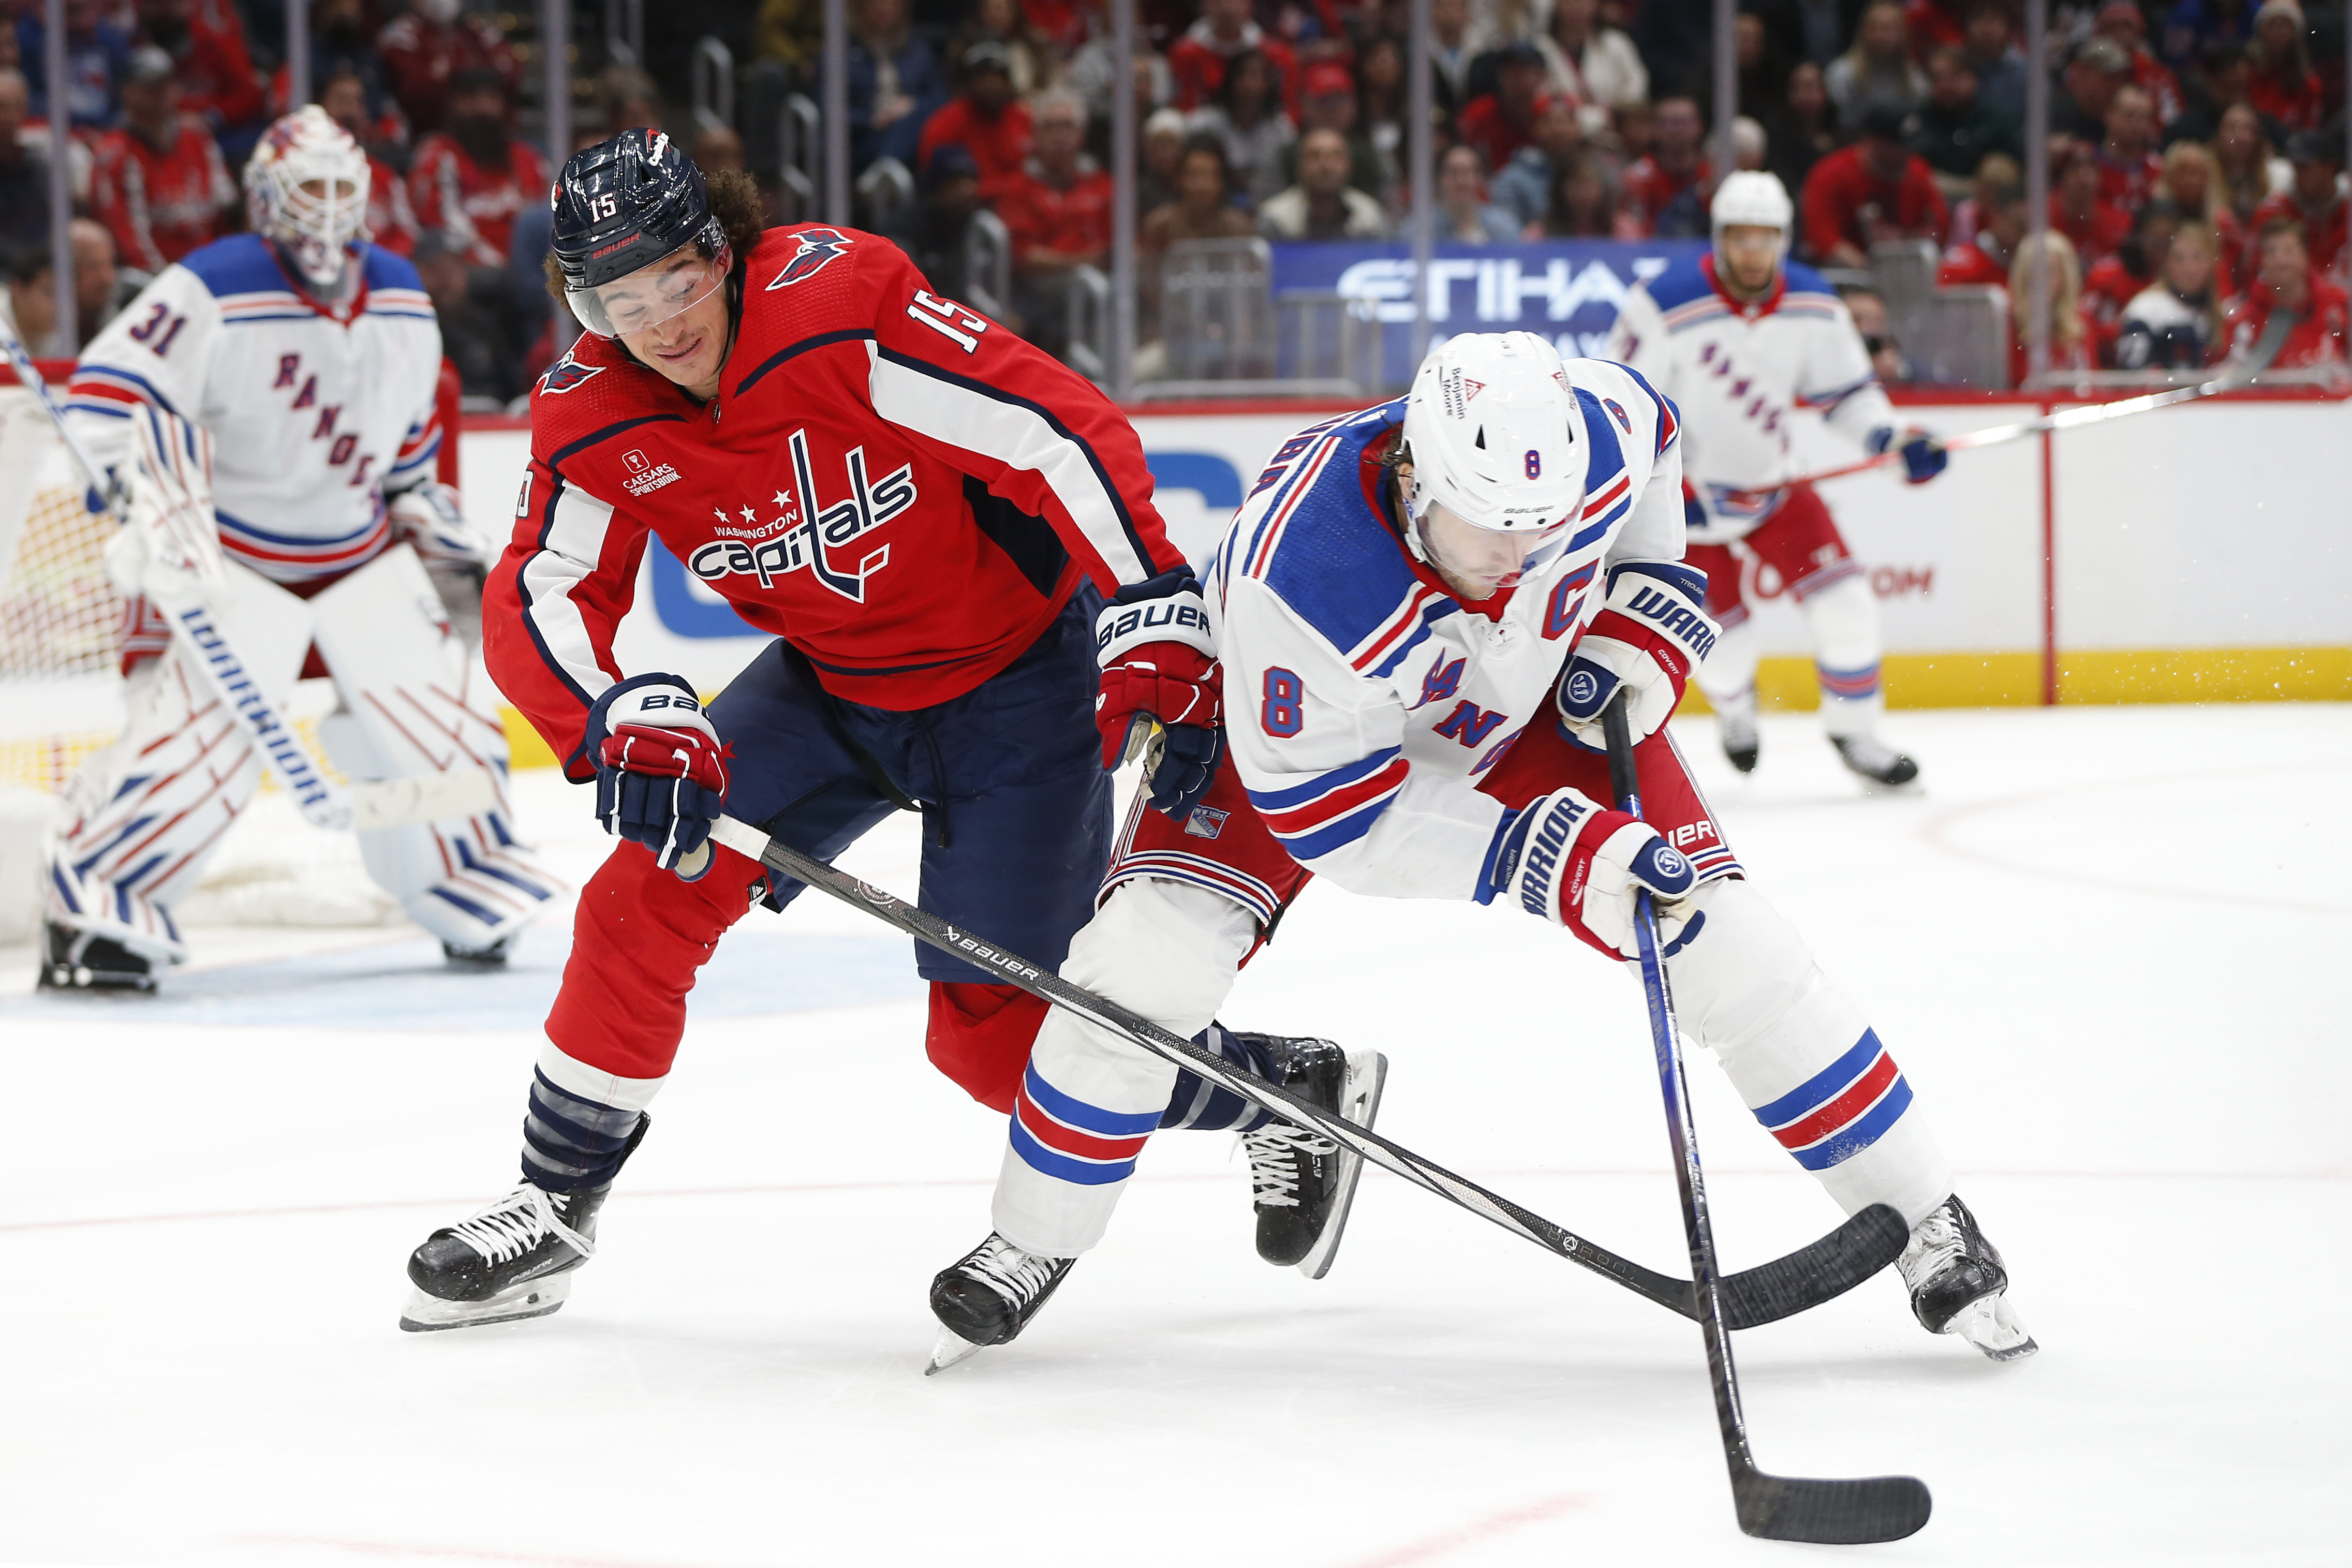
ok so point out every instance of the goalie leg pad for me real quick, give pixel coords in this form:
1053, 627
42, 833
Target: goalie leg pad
1803, 1056
1089, 1101
409, 709
136, 824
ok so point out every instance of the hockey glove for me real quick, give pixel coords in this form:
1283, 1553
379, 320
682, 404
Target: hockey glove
1159, 667
431, 518
661, 773
1922, 456
1578, 863
1651, 633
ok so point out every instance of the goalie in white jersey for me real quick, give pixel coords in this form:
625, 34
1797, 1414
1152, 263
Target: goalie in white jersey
1422, 611
1743, 340
312, 358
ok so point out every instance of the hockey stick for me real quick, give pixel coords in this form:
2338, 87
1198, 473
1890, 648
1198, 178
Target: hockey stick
2257, 361
1804, 1278
394, 803
1779, 1508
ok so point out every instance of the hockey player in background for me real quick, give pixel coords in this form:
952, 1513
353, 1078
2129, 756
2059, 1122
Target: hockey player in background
1742, 339
1423, 610
312, 358
928, 513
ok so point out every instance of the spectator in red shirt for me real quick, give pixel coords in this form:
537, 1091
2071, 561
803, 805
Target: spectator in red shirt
985, 120
2312, 203
2115, 281
2285, 281
2092, 225
1500, 123
206, 43
2128, 166
474, 177
2121, 22
1197, 60
428, 48
1984, 257
1876, 189
2284, 88
158, 183
1664, 193
390, 222
1057, 210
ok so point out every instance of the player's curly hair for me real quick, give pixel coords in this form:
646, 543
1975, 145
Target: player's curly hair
735, 202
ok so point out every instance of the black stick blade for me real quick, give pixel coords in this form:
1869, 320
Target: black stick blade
1831, 1513
1814, 1274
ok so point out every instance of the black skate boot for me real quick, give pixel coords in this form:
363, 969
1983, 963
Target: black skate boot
1874, 759
84, 961
513, 1260
1958, 1284
491, 957
1302, 1182
987, 1296
1735, 726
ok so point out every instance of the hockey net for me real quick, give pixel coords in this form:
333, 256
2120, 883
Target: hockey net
61, 696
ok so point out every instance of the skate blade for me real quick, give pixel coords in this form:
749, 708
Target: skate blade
1368, 1075
532, 1299
1990, 1325
951, 1348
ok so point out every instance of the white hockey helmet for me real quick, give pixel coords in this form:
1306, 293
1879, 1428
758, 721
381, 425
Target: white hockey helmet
1752, 196
306, 189
1495, 435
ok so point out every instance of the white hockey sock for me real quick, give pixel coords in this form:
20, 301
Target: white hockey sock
1847, 649
1728, 675
1803, 1057
1089, 1100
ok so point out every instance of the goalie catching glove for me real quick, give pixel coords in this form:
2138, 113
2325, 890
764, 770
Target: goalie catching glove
1651, 633
431, 518
661, 773
1578, 863
1159, 668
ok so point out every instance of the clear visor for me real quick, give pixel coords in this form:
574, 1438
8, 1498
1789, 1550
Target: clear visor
651, 295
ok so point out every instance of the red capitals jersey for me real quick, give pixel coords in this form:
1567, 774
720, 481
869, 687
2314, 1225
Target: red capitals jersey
899, 487
161, 205
448, 190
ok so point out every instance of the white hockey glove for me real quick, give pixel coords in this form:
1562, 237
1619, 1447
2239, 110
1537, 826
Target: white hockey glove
431, 518
1578, 863
169, 549
1650, 634
661, 773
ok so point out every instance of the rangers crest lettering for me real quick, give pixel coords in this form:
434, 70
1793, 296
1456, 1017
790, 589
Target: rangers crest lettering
809, 542
818, 246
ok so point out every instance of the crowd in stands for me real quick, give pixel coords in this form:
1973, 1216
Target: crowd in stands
2195, 162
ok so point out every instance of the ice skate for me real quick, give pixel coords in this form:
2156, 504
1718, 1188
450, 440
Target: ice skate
1735, 726
84, 961
1958, 1285
512, 1261
987, 1296
1874, 759
1302, 1182
491, 957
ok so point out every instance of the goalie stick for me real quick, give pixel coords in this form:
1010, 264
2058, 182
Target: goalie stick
393, 803
2258, 360
1778, 1507
1804, 1278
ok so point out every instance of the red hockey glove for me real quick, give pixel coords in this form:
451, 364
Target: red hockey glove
661, 773
1160, 666
1651, 633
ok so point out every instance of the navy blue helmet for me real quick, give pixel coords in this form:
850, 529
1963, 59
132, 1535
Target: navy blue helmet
626, 203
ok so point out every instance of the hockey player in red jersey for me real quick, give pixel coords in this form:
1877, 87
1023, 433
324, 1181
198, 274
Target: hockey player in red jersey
927, 513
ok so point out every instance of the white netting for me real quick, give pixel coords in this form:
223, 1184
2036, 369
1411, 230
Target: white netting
61, 695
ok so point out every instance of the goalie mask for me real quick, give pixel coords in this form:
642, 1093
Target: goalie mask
306, 190
1498, 443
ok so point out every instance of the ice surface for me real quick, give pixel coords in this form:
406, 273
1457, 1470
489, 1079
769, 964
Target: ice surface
2109, 947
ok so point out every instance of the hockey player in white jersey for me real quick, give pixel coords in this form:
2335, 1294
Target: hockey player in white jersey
312, 358
1743, 340
1423, 610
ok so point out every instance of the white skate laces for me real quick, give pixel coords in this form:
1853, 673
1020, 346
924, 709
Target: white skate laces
1275, 1153
1012, 1273
516, 1223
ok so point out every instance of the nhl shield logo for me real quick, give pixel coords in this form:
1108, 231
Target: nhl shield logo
817, 246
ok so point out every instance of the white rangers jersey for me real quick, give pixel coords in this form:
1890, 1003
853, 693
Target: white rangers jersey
1363, 702
314, 415
1739, 372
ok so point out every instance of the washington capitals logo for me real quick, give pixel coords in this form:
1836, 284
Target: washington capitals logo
568, 374
818, 245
